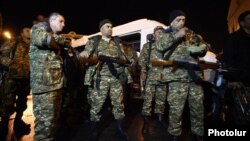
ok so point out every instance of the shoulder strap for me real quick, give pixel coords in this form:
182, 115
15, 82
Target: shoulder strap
170, 52
13, 50
117, 41
149, 54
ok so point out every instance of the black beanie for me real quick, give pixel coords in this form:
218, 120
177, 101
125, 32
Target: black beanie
103, 22
174, 14
243, 16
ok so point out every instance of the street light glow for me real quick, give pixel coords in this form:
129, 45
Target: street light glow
7, 34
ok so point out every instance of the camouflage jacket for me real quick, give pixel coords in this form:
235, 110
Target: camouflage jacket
46, 64
153, 73
6, 53
183, 50
107, 49
14, 56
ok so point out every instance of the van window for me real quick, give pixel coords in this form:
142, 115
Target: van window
133, 40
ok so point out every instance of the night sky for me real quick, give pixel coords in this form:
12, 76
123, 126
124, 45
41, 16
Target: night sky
206, 17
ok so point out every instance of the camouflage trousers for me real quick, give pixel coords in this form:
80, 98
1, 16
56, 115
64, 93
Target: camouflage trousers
7, 98
113, 87
159, 93
46, 109
178, 94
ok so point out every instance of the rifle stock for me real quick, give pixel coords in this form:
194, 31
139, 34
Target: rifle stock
91, 59
72, 35
186, 63
95, 59
208, 65
160, 63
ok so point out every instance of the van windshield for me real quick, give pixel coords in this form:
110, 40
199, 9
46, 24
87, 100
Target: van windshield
133, 41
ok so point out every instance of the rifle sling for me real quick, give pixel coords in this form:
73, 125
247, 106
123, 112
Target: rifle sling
190, 70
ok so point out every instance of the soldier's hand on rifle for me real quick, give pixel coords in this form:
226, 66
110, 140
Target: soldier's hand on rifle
84, 54
53, 44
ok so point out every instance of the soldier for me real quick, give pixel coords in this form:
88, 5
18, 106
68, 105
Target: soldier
152, 75
46, 74
18, 76
21, 80
184, 82
103, 78
7, 96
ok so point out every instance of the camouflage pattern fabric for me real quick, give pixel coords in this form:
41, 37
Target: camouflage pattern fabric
46, 79
14, 56
178, 93
5, 53
108, 83
183, 50
19, 67
20, 64
7, 98
111, 86
181, 85
160, 93
46, 109
154, 88
46, 64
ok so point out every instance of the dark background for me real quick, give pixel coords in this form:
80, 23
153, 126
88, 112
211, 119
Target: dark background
206, 17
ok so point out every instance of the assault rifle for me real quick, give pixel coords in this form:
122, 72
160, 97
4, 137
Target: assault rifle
72, 35
108, 59
186, 63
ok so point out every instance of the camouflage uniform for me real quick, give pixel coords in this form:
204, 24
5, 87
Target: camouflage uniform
7, 89
109, 84
15, 57
21, 77
153, 88
46, 79
181, 85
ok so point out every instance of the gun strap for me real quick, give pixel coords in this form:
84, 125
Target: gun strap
95, 45
149, 54
13, 51
170, 51
193, 75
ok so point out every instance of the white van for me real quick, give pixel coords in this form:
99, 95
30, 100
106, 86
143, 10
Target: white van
135, 32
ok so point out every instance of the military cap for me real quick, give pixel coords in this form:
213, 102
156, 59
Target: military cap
103, 22
174, 14
158, 28
243, 16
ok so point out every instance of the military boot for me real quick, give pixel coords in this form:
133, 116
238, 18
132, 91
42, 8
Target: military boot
120, 130
198, 138
4, 122
145, 129
93, 130
21, 128
174, 138
161, 121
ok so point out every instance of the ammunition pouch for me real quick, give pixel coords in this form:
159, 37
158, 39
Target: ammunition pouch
123, 77
119, 73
